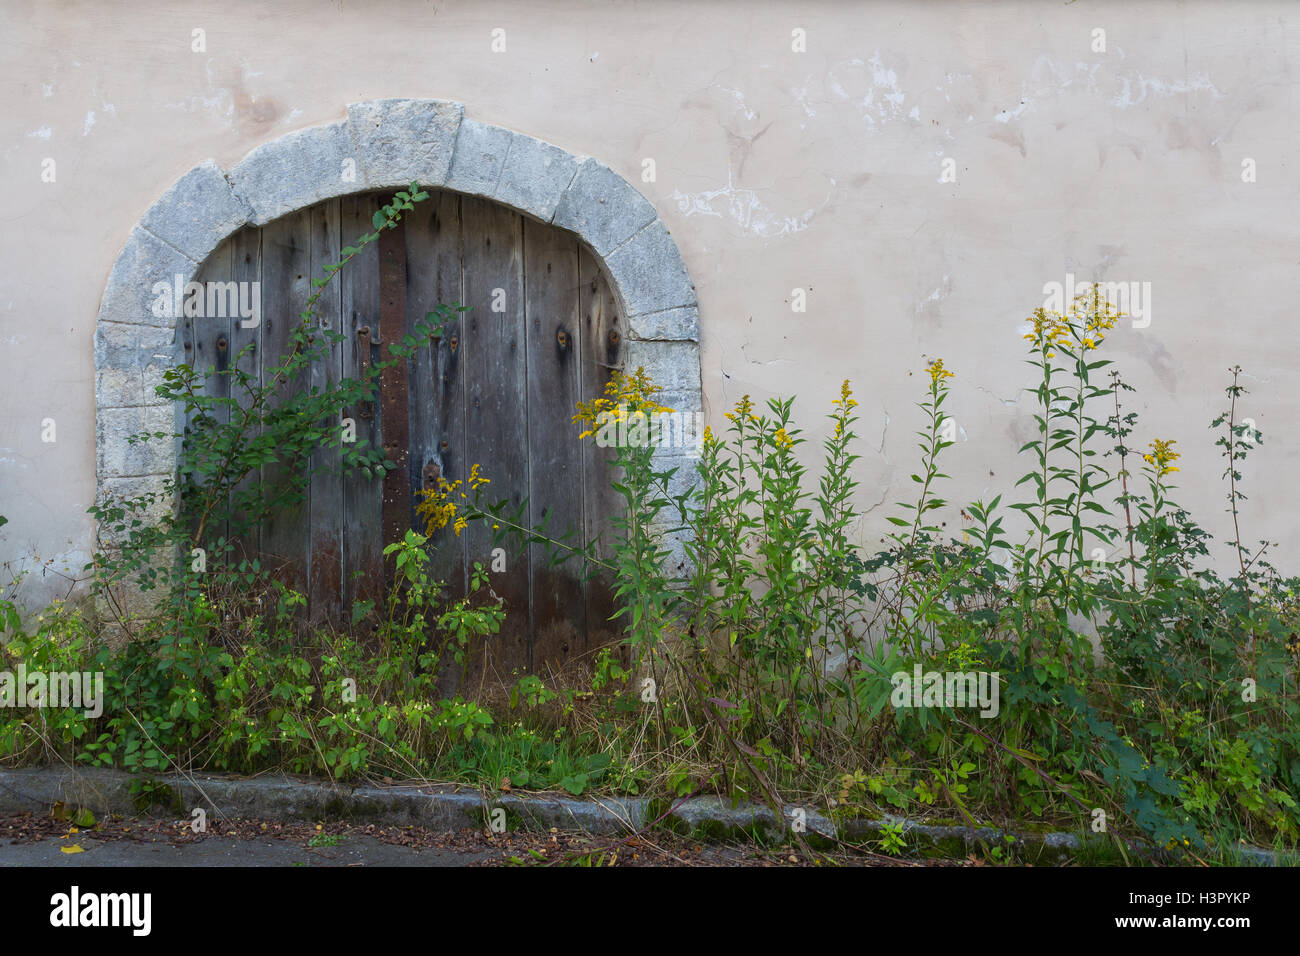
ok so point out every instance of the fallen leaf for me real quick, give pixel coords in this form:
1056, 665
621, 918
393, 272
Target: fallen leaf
72, 849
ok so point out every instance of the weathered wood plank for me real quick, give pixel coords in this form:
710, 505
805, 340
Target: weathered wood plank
246, 354
551, 295
206, 343
394, 395
286, 281
325, 528
210, 332
362, 495
496, 411
602, 353
437, 387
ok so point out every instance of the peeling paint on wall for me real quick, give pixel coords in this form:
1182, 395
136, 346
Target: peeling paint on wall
744, 208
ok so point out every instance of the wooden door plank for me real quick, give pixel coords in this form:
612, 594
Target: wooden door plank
437, 441
286, 281
325, 527
206, 343
495, 365
210, 333
551, 298
602, 353
394, 394
245, 350
363, 565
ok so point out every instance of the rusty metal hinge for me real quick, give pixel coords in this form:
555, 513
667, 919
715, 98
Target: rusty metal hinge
367, 409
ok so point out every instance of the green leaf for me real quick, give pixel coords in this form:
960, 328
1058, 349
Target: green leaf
575, 783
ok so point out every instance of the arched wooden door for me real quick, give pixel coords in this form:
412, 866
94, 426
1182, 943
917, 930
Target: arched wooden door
497, 390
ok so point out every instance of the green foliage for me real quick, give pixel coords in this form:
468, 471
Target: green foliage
778, 643
892, 840
184, 697
1134, 682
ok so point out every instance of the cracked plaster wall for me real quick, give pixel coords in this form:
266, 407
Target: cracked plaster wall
774, 170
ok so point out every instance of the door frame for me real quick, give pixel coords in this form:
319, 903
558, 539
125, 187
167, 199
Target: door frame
382, 144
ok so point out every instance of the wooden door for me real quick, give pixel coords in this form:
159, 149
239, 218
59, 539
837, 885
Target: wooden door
497, 389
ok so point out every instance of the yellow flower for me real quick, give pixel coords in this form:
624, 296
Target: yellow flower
1047, 329
1162, 457
1101, 319
743, 411
438, 507
845, 401
626, 396
1088, 317
782, 439
1102, 316
937, 372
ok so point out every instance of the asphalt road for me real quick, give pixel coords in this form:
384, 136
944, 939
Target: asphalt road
232, 851
53, 840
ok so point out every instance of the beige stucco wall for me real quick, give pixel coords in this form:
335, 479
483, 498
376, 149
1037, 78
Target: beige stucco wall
775, 170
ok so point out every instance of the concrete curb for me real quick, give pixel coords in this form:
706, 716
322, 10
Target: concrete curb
285, 798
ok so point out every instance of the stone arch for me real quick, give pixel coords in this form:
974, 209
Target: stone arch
382, 144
